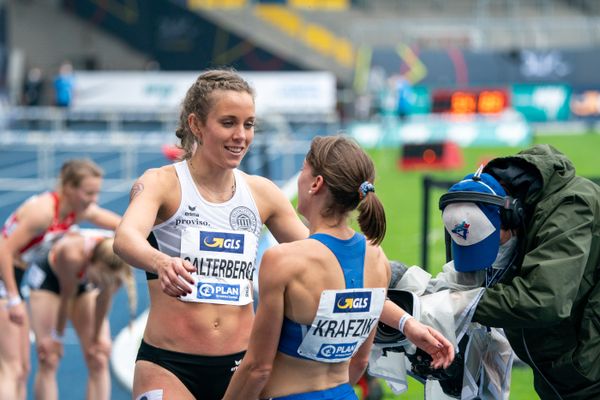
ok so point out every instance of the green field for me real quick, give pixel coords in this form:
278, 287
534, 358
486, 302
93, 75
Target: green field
401, 194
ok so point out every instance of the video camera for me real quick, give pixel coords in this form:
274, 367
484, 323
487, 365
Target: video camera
391, 339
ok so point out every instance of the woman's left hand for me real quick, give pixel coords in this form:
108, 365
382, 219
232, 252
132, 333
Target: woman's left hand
431, 341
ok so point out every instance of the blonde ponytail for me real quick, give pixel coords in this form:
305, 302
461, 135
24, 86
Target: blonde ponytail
117, 272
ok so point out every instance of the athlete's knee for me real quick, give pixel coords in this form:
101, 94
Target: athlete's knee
97, 362
11, 369
24, 370
97, 356
156, 394
48, 364
47, 359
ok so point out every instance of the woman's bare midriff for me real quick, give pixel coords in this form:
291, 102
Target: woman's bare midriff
196, 328
315, 376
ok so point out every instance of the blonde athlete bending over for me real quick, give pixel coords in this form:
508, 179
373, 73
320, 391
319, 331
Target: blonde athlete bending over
82, 275
27, 235
194, 227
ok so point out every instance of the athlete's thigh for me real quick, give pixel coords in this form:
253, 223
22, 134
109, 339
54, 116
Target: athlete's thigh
10, 338
25, 344
43, 306
82, 317
151, 378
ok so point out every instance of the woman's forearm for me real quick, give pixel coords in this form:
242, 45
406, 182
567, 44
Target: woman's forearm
103, 302
7, 273
247, 382
134, 249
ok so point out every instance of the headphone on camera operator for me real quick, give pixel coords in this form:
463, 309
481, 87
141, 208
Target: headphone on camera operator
511, 213
512, 217
490, 207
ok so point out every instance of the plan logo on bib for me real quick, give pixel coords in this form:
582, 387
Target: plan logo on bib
218, 291
332, 351
222, 242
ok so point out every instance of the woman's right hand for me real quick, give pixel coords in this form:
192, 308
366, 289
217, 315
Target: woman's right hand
174, 275
431, 341
17, 313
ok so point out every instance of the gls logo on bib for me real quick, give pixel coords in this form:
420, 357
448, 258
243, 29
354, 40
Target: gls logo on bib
222, 242
352, 302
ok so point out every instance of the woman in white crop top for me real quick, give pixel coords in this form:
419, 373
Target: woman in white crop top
194, 226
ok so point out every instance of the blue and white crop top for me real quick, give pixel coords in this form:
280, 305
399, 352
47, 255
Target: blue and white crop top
345, 318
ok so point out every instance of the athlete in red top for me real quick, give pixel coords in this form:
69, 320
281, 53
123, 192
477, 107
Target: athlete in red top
28, 232
57, 227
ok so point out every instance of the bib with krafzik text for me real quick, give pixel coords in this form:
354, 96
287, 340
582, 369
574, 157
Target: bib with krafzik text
344, 320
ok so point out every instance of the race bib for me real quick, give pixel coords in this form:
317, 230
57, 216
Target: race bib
35, 276
224, 262
344, 320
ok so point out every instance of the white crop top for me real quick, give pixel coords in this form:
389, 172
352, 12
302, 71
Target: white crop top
219, 239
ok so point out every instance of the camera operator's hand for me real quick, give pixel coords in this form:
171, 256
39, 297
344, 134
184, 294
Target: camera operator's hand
431, 341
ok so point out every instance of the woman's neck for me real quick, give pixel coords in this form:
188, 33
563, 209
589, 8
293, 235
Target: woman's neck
64, 207
335, 227
215, 185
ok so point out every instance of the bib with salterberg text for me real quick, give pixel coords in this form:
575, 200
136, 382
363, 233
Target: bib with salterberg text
344, 320
224, 262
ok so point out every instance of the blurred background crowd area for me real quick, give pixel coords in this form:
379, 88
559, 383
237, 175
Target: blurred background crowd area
425, 85
388, 72
385, 57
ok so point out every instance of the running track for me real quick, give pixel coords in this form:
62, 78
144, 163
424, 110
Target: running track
21, 163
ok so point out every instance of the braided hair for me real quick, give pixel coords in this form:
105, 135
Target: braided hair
199, 100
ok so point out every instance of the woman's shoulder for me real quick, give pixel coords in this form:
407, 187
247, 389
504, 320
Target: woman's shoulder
44, 199
164, 172
71, 239
300, 253
70, 247
289, 254
290, 249
377, 264
38, 209
163, 178
258, 183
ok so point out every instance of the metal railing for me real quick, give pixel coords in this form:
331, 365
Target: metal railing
35, 141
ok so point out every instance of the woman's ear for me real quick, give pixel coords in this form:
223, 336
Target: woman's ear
317, 183
195, 126
68, 188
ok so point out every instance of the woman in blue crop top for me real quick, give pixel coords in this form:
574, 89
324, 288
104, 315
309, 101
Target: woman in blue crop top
320, 298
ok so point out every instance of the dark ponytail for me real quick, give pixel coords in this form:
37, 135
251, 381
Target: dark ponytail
349, 174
